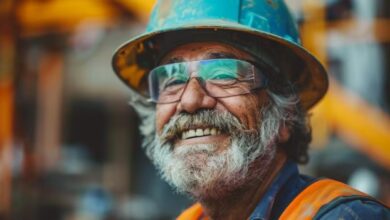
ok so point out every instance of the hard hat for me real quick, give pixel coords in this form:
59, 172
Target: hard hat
263, 28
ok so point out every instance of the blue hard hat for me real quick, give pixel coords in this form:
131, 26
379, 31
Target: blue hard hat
263, 28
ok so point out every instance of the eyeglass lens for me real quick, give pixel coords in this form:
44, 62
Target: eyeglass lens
219, 78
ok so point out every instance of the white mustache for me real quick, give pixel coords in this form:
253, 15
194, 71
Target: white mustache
224, 121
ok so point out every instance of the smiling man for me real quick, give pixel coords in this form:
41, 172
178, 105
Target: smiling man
223, 89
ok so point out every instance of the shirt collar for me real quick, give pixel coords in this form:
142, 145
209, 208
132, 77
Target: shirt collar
264, 208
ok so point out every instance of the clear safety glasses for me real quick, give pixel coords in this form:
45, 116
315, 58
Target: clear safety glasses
218, 77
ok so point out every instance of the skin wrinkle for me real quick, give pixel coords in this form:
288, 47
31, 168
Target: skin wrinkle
213, 52
235, 131
220, 104
266, 125
219, 172
177, 124
231, 170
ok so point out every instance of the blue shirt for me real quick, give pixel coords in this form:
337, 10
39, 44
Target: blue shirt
289, 183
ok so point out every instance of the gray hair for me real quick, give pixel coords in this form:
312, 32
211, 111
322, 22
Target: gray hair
288, 110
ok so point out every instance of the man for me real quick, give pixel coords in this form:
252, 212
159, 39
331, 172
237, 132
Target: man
223, 89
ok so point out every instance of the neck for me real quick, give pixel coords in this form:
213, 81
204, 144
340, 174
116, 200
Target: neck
241, 203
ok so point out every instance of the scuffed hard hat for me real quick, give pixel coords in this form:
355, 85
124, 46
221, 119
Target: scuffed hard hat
263, 28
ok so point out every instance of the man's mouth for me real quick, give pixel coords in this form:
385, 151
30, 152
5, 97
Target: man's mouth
199, 132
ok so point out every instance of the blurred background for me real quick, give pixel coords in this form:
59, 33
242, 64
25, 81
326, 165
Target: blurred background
69, 142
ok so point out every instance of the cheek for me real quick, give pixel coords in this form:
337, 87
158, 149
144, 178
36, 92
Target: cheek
163, 115
245, 108
251, 106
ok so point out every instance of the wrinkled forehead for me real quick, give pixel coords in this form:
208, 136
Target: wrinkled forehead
204, 51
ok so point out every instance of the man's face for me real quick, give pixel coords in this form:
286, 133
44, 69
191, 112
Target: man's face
208, 146
243, 107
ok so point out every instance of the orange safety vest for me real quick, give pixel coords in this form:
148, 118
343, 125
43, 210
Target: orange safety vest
304, 207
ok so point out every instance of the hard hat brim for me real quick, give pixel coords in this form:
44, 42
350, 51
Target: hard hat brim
134, 59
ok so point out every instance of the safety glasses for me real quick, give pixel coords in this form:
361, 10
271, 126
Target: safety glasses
218, 77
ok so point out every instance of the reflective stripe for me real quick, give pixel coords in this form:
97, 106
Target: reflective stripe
307, 204
195, 212
304, 207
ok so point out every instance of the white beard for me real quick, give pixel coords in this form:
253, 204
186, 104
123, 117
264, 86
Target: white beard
202, 172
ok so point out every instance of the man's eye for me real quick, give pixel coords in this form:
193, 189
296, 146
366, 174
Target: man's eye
223, 76
171, 83
175, 82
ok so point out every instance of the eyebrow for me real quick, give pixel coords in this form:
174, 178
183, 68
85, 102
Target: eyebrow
209, 55
173, 60
220, 55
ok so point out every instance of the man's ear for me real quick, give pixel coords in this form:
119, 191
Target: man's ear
284, 134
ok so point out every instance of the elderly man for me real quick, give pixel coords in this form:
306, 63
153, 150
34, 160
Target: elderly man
223, 88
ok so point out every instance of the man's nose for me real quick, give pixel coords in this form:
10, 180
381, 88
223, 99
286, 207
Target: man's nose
195, 98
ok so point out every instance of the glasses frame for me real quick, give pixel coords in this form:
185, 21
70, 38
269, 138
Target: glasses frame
257, 65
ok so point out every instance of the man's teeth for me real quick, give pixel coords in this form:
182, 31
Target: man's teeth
199, 132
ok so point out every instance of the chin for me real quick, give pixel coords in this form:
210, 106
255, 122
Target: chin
202, 172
